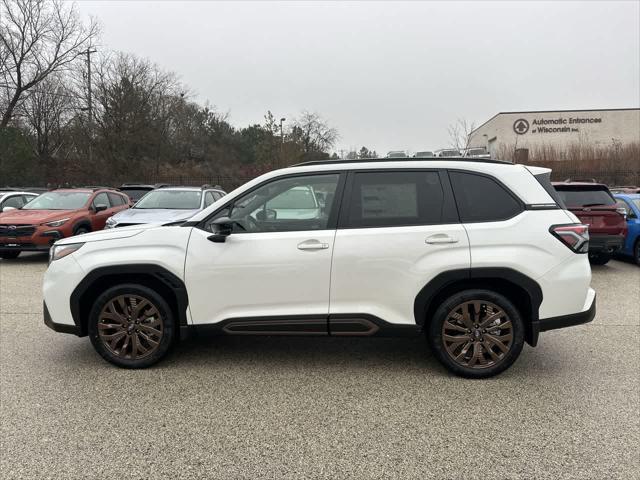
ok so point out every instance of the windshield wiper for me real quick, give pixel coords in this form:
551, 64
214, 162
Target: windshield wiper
595, 205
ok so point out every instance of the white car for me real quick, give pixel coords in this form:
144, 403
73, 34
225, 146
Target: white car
14, 199
478, 256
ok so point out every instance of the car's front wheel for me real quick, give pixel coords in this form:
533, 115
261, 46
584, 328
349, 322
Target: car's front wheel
131, 326
476, 333
636, 252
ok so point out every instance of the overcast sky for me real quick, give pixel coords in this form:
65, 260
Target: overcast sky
388, 75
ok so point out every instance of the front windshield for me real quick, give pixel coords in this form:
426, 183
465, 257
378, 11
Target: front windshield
58, 201
170, 200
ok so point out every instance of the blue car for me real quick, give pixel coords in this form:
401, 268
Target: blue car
631, 203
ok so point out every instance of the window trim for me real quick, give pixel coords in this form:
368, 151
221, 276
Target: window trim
449, 210
333, 215
518, 200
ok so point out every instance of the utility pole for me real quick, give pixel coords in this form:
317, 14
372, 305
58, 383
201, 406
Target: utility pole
90, 103
282, 120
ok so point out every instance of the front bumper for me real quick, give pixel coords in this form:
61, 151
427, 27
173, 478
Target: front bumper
40, 241
570, 320
58, 327
605, 243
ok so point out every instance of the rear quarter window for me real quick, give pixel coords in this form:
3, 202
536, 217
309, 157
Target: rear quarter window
482, 199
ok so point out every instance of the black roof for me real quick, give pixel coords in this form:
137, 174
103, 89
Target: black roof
404, 159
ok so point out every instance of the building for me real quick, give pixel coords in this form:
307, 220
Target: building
533, 131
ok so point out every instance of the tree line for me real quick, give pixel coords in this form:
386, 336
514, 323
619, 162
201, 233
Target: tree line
71, 114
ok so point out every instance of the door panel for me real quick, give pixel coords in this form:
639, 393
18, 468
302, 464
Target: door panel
380, 271
270, 265
399, 230
258, 275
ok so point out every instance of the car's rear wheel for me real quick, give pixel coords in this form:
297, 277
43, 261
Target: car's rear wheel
10, 255
131, 326
476, 333
599, 258
636, 252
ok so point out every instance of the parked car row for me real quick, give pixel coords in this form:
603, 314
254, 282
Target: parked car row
613, 219
476, 153
31, 222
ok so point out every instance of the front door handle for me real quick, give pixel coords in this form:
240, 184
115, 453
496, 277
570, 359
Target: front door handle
440, 238
312, 245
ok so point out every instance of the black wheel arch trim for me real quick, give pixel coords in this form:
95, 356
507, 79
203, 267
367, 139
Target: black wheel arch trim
424, 300
168, 279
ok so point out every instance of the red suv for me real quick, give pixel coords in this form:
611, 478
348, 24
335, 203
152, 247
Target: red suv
594, 205
57, 214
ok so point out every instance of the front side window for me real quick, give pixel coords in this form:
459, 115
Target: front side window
101, 199
482, 199
393, 198
284, 205
59, 201
171, 200
15, 201
116, 200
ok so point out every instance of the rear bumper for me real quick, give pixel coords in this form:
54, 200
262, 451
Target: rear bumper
605, 243
570, 320
58, 327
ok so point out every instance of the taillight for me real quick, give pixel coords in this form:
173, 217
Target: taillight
622, 211
574, 235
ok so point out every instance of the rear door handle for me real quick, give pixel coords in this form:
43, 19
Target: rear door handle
312, 245
440, 238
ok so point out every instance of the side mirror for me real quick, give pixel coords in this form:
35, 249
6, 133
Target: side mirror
223, 227
268, 214
6, 209
99, 208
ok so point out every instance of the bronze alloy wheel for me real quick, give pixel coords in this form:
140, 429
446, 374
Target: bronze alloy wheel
477, 334
130, 327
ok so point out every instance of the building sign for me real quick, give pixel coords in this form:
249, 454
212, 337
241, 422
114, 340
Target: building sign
554, 125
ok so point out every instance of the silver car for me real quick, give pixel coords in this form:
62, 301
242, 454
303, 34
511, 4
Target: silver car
166, 205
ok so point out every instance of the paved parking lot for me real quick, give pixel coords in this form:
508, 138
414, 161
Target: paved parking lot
240, 407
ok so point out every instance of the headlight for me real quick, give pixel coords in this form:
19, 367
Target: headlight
56, 223
60, 251
111, 222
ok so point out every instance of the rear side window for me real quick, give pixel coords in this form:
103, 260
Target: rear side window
391, 199
482, 199
584, 196
116, 200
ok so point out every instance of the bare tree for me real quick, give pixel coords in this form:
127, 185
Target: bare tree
313, 133
37, 38
460, 134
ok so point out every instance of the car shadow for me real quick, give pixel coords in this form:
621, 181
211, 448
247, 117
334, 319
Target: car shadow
28, 258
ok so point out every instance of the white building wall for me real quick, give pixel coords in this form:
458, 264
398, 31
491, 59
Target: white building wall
533, 130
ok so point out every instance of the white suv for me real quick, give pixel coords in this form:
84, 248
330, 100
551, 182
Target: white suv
476, 255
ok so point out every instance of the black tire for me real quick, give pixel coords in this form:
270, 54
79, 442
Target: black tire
636, 252
599, 258
80, 230
118, 356
10, 255
489, 303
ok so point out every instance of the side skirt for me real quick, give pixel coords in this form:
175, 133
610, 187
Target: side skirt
339, 325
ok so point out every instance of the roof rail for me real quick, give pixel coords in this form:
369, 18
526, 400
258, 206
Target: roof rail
205, 186
405, 159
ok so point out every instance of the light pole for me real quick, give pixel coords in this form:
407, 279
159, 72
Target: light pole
282, 120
